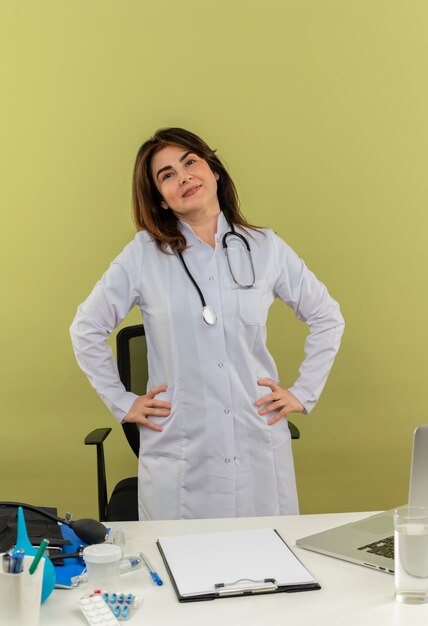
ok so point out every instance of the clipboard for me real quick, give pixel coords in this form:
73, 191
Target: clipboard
208, 566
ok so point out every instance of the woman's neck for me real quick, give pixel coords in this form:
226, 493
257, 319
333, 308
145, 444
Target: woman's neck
205, 227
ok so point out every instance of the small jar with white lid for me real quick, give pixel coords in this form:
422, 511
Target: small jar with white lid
103, 566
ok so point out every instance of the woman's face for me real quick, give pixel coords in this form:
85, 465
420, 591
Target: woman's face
186, 182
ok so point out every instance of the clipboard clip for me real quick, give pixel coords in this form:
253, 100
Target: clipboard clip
246, 587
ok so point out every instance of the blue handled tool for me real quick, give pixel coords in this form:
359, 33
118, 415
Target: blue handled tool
23, 542
155, 576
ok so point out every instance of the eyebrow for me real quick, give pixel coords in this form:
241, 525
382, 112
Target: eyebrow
169, 167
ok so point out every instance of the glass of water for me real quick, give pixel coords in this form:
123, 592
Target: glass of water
411, 554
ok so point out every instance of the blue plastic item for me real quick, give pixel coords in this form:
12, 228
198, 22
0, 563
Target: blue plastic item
23, 543
72, 567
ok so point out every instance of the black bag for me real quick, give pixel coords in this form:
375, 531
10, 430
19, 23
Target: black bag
38, 528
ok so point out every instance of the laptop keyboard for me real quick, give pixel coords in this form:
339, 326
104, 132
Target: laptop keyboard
382, 547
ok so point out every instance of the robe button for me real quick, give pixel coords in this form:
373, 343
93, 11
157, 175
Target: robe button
212, 278
227, 460
220, 364
227, 411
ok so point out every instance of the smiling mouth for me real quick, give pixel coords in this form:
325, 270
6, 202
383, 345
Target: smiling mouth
191, 191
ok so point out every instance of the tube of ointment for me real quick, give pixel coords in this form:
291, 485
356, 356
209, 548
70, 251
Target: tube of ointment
128, 564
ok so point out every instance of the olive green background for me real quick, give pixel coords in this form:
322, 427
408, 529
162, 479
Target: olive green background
319, 109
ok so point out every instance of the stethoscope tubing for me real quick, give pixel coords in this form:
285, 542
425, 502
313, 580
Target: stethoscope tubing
201, 295
208, 312
247, 245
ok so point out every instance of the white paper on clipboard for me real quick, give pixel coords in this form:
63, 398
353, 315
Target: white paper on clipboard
199, 562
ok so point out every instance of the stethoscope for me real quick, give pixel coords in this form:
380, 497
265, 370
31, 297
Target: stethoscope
208, 313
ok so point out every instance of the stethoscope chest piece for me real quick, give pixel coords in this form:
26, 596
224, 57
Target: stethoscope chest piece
209, 315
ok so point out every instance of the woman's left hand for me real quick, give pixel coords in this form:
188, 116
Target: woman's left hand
280, 400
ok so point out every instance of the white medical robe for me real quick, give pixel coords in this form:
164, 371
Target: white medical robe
216, 456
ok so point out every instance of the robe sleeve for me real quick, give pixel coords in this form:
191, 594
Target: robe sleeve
299, 288
107, 305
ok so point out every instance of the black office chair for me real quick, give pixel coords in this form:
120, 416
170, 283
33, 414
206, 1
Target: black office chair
133, 371
131, 354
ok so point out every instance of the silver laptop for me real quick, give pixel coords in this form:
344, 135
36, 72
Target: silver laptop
370, 541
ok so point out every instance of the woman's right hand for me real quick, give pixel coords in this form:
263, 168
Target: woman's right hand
147, 405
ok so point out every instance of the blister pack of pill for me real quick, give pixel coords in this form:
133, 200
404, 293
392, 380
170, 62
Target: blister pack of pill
96, 611
119, 605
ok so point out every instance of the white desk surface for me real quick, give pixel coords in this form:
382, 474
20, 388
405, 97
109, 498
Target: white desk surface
351, 595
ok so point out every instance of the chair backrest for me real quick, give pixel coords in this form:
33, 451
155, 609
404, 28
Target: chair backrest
131, 352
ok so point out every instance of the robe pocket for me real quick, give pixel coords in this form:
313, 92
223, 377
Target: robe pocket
252, 305
159, 487
168, 442
279, 432
286, 480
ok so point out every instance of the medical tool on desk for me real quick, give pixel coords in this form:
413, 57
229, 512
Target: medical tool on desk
21, 594
13, 561
68, 555
88, 530
102, 562
155, 576
127, 564
40, 552
104, 608
23, 543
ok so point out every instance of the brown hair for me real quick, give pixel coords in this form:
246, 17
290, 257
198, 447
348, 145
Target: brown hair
160, 223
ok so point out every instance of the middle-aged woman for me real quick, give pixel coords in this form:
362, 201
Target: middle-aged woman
214, 438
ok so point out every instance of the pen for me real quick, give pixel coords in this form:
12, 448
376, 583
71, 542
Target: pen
38, 556
6, 563
16, 563
155, 577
